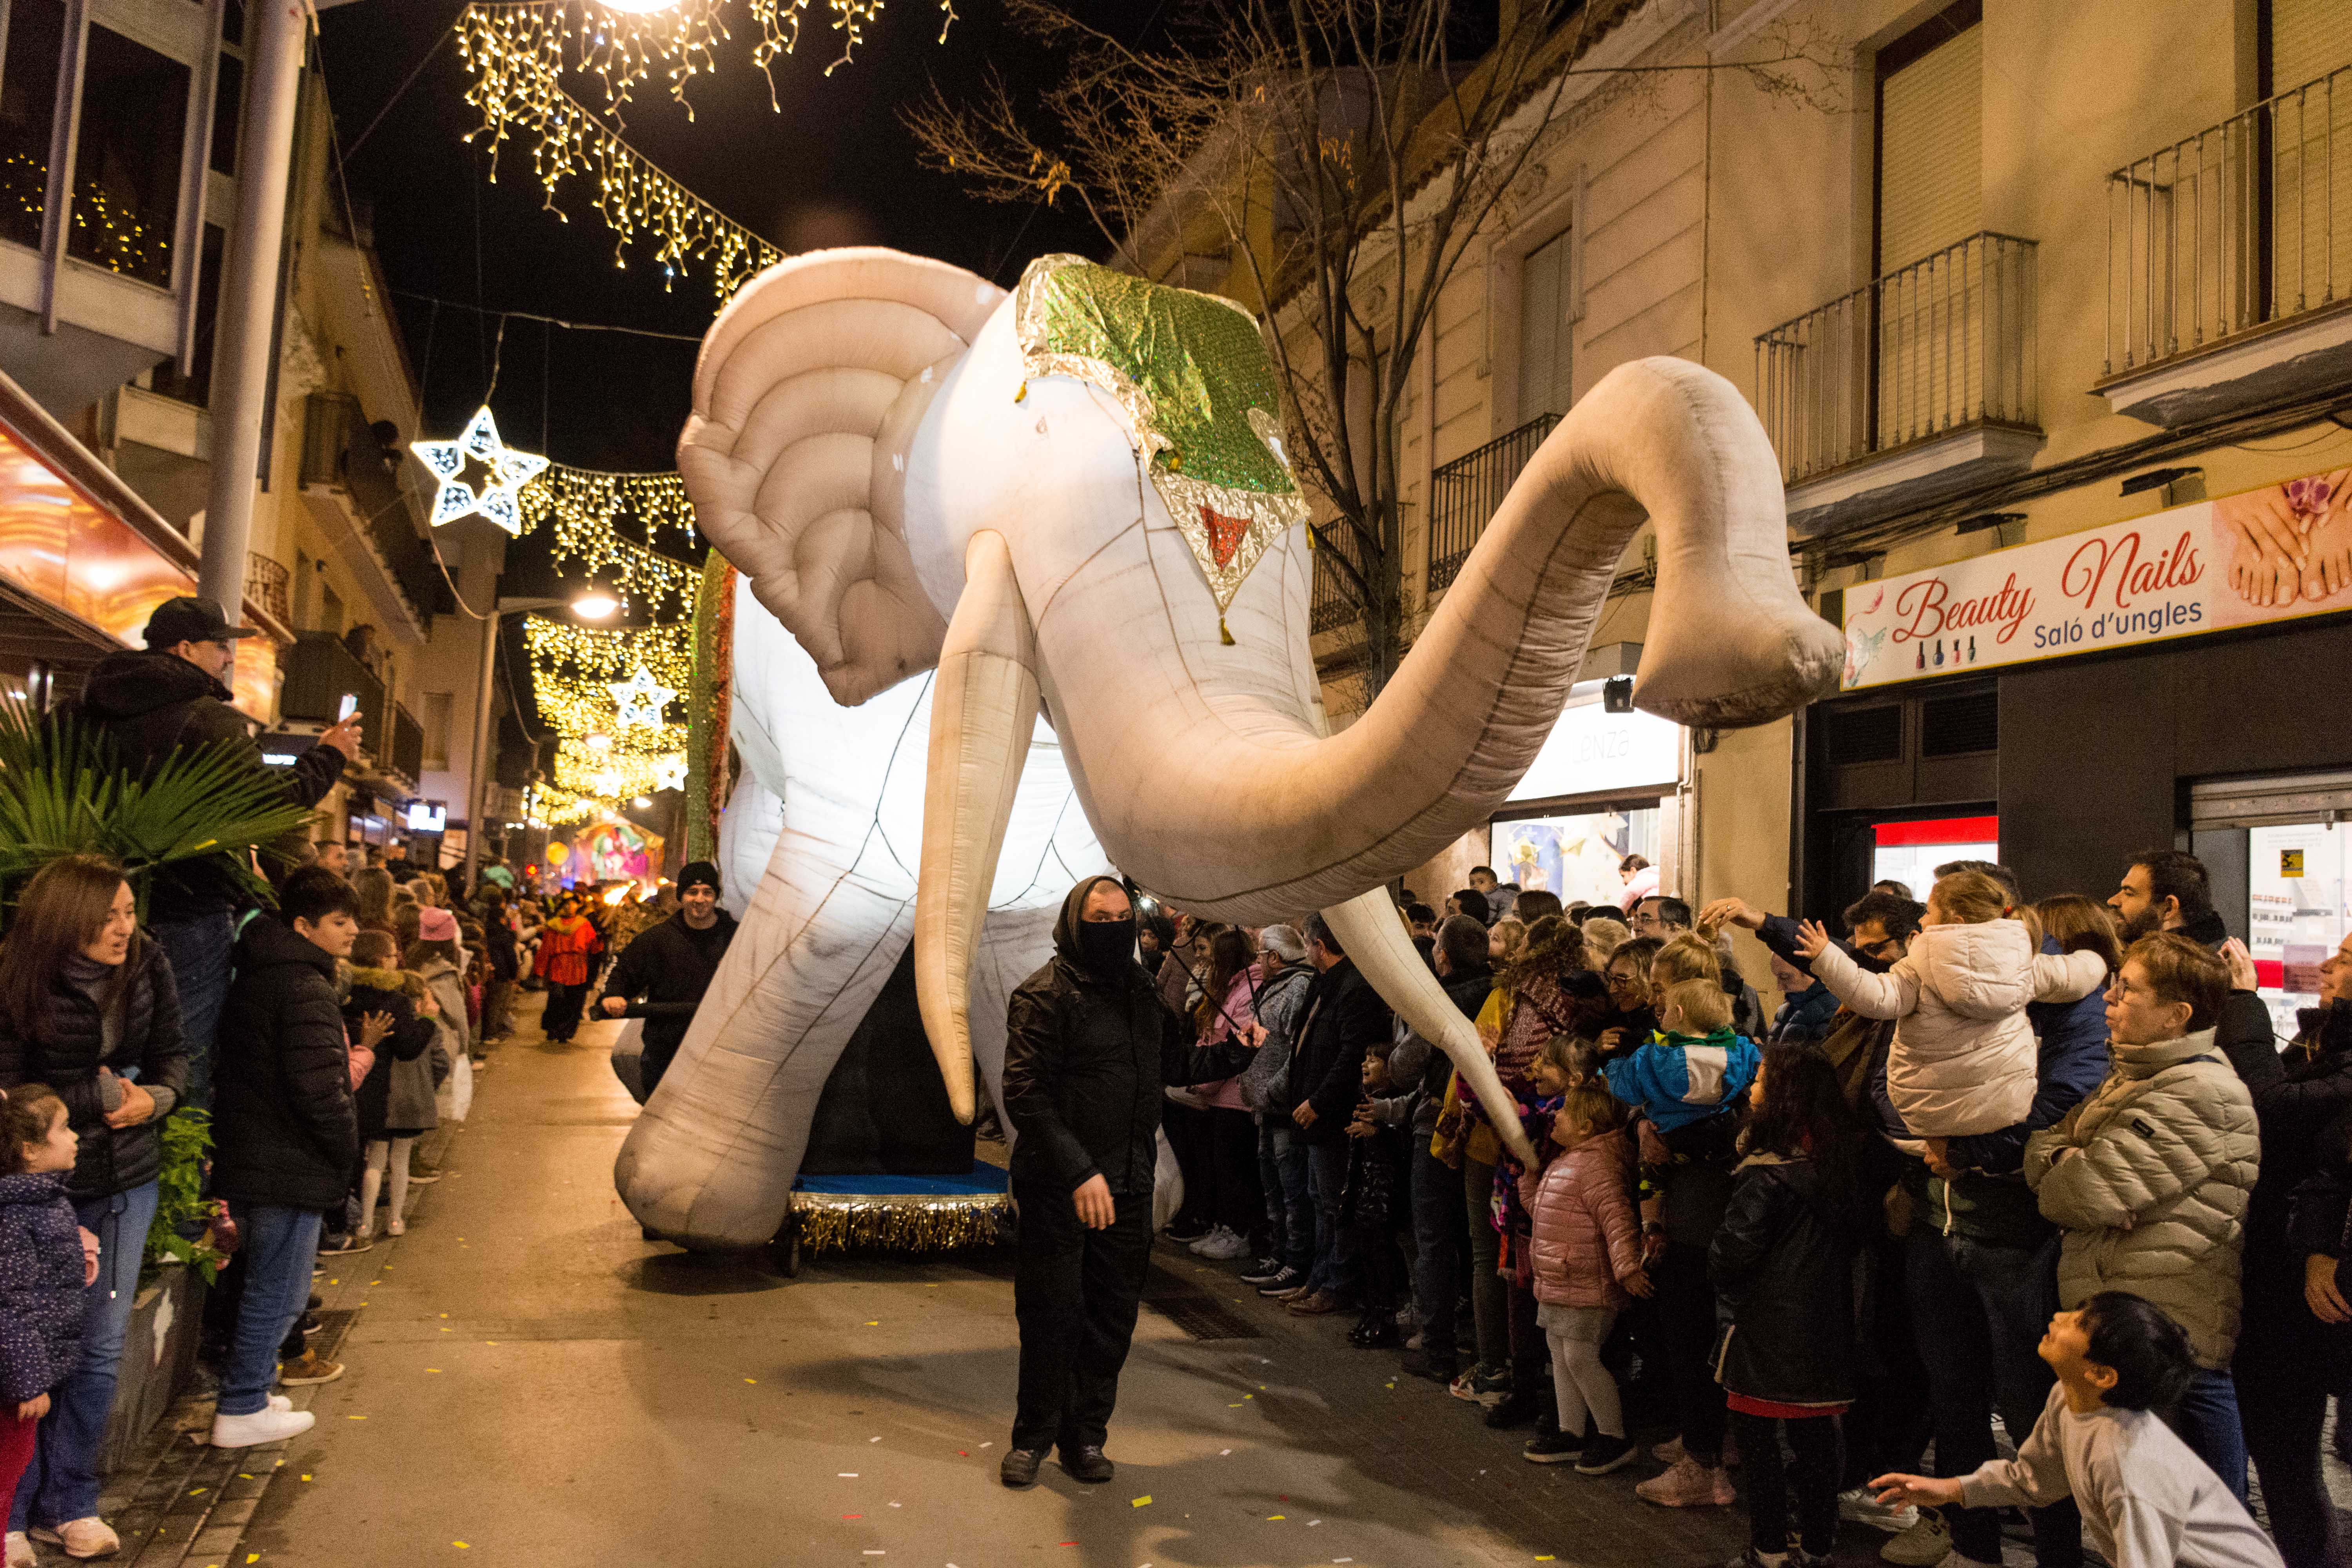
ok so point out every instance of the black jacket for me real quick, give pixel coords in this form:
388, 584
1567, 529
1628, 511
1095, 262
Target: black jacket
2295, 1099
153, 703
1344, 1018
283, 1123
1084, 1061
412, 1035
43, 1306
149, 1048
664, 973
1783, 1266
498, 937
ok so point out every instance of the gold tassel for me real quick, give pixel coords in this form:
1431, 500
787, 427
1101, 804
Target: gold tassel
1224, 635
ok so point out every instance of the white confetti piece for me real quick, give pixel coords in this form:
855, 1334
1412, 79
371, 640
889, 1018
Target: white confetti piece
1223, 1452
873, 1439
852, 1475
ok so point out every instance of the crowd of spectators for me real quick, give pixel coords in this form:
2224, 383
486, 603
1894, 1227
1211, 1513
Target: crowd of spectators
2044, 1163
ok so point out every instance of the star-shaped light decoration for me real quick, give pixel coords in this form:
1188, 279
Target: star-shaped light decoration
669, 773
506, 471
641, 699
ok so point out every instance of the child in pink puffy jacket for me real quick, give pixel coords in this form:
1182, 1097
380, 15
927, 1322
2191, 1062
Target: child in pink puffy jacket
1587, 1251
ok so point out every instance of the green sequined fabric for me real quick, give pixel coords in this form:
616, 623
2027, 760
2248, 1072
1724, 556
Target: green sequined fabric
1192, 377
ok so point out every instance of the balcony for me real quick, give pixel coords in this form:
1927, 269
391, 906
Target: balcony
1333, 606
1465, 492
265, 583
1907, 390
2230, 262
351, 483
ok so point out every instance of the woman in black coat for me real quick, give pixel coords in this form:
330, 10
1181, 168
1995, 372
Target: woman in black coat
87, 1007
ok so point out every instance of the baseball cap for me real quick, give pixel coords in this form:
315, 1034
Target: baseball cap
190, 619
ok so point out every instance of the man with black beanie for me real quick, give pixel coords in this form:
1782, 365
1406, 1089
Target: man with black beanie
1089, 1049
661, 975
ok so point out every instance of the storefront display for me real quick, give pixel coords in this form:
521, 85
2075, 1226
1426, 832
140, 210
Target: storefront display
1909, 852
1622, 767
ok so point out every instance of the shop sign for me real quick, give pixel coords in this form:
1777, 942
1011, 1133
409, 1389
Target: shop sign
1593, 752
2204, 567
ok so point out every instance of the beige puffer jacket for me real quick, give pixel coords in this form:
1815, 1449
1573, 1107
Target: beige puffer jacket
1964, 1056
2152, 1195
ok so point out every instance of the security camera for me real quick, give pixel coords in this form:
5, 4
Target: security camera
1617, 694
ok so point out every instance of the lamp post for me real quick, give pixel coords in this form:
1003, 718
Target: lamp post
593, 605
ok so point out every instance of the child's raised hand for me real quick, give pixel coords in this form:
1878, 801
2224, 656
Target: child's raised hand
1920, 1492
1812, 940
33, 1409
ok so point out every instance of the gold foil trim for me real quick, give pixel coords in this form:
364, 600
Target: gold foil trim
901, 1222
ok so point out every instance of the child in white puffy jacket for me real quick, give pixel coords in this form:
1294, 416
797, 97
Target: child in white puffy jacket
1964, 1056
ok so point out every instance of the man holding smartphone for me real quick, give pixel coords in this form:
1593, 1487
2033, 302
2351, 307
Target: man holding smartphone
153, 703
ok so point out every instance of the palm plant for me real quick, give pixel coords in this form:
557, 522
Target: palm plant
64, 790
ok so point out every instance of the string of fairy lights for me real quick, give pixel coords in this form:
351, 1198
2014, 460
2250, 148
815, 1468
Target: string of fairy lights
611, 695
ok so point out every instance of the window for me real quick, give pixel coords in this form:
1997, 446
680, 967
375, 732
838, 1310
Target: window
1575, 856
28, 106
1930, 139
196, 386
1909, 852
438, 708
2305, 39
331, 611
1546, 295
2296, 911
127, 162
228, 99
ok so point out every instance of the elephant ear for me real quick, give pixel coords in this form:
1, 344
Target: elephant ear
808, 388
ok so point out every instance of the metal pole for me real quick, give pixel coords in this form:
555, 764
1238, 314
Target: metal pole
248, 301
478, 765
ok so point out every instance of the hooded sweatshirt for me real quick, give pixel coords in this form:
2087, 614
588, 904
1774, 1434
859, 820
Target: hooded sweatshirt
1089, 1049
152, 704
1676, 1080
1964, 1056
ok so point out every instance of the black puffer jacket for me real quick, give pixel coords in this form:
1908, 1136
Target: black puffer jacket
1345, 1017
42, 1307
284, 1128
664, 972
413, 1034
112, 1161
153, 703
1084, 1061
1783, 1266
2296, 1097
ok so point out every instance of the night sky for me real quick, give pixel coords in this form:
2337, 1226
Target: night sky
835, 166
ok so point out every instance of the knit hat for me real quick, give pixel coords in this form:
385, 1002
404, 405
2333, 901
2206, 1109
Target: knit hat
1284, 942
436, 925
697, 874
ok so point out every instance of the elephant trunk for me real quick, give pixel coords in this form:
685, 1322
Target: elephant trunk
1228, 804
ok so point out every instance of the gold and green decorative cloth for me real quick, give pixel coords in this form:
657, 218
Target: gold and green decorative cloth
1190, 374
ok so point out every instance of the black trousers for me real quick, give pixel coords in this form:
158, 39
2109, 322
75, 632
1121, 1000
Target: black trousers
1687, 1321
1189, 1140
2286, 1366
1074, 1296
1814, 1441
561, 1021
1239, 1200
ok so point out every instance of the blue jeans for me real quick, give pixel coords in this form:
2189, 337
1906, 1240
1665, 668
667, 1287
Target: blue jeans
1980, 1312
281, 1244
199, 950
1440, 1254
1289, 1212
2207, 1420
1335, 1244
61, 1484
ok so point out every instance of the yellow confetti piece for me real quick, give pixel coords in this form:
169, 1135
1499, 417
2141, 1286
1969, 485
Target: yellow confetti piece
873, 1322
1272, 1516
750, 1380
354, 1417
1547, 1557
1236, 1406
253, 1557
461, 1546
195, 1491
1143, 1501
432, 1369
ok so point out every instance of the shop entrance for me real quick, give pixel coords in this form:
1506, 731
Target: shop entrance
1574, 849
2279, 854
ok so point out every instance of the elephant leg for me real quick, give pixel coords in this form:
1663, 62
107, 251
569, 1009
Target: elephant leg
711, 1161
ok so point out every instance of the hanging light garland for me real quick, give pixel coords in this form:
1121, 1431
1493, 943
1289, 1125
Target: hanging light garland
607, 694
584, 506
514, 87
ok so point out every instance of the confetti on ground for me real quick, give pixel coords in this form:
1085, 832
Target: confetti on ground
306, 1478
853, 1516
243, 1477
988, 1445
1223, 1452
1143, 1501
873, 1322
750, 1380
873, 1439
432, 1369
1313, 1523
845, 1474
195, 1491
461, 1546
354, 1417
1272, 1516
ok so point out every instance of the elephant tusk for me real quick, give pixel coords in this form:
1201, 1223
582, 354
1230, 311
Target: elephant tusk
983, 715
1368, 927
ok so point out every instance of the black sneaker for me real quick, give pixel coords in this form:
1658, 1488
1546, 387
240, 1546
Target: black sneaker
1603, 1454
1437, 1369
1517, 1408
1088, 1464
1375, 1333
1282, 1284
1551, 1448
1190, 1233
337, 1245
1019, 1466
1265, 1271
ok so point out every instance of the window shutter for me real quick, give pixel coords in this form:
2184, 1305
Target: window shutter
1931, 152
1545, 293
2309, 40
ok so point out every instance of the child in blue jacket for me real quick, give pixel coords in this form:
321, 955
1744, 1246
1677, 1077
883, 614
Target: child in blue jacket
44, 1271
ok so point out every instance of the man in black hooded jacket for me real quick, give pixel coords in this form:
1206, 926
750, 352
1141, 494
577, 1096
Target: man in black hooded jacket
1089, 1049
152, 704
661, 975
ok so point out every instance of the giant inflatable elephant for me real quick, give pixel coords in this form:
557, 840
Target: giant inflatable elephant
1073, 500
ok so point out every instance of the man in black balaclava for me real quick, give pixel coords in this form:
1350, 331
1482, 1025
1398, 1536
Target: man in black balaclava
1089, 1050
661, 975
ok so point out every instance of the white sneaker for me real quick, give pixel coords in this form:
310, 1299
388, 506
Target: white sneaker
261, 1427
1214, 1236
280, 1402
1926, 1543
1860, 1506
1223, 1246
20, 1550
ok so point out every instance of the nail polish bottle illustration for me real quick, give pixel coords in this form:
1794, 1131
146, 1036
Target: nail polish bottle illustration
1972, 649
1920, 660
1939, 653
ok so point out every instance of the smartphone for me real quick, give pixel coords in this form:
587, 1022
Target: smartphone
350, 705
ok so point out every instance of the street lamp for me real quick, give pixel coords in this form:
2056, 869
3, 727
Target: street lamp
593, 605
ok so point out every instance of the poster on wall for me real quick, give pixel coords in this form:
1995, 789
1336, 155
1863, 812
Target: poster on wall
2277, 553
1575, 856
